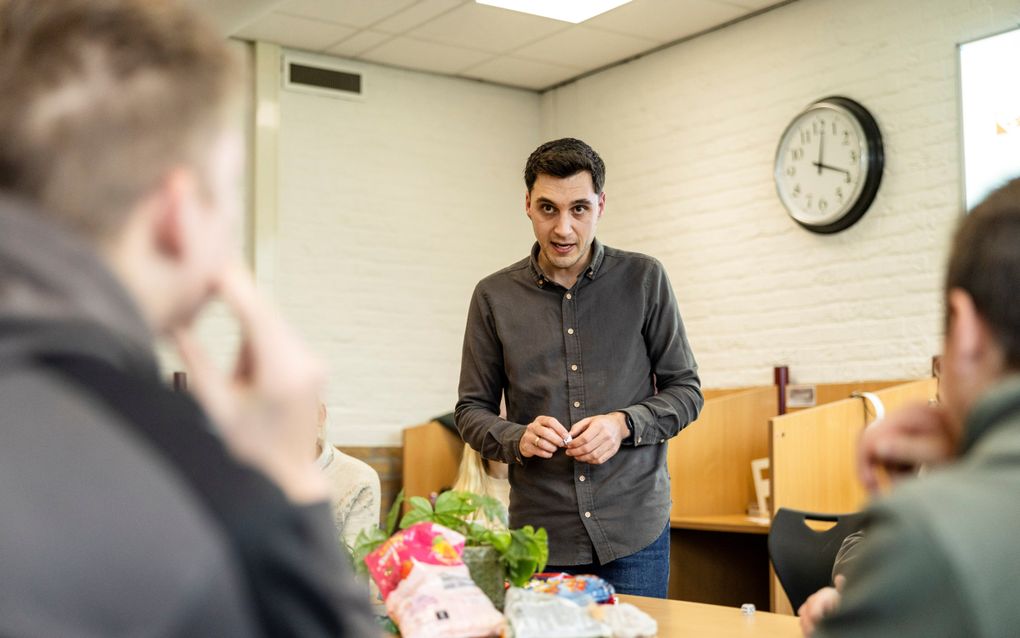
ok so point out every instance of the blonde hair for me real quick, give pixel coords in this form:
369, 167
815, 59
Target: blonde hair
471, 473
99, 99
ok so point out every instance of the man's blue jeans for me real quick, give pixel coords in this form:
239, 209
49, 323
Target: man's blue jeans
643, 573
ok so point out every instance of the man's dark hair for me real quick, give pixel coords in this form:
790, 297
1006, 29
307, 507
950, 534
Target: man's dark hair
563, 158
985, 262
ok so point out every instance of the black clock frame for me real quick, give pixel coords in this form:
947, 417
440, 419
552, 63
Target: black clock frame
876, 166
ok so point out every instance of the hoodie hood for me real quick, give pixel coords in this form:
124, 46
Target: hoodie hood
58, 297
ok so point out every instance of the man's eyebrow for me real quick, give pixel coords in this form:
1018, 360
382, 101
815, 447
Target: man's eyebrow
576, 202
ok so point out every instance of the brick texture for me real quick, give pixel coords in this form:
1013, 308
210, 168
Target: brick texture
689, 136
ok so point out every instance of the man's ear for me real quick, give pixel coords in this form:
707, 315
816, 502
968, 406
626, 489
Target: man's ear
170, 207
602, 204
966, 334
527, 203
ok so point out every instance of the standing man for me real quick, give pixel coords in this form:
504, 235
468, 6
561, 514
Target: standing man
127, 509
587, 345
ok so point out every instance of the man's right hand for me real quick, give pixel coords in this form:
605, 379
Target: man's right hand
897, 445
820, 604
266, 410
542, 438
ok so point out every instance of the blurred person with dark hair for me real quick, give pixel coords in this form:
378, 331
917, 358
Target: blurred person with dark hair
125, 508
587, 345
940, 555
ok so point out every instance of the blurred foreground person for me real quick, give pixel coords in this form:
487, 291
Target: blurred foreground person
940, 555
127, 509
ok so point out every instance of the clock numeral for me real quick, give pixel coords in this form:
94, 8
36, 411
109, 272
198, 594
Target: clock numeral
791, 170
810, 198
834, 127
805, 137
846, 138
796, 190
822, 205
798, 153
847, 178
839, 194
853, 156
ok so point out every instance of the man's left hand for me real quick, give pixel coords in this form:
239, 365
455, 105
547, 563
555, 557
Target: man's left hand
597, 439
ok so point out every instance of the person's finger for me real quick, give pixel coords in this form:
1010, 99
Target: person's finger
580, 427
840, 582
207, 382
552, 423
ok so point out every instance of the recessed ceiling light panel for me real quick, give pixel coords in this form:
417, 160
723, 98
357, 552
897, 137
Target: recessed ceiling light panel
566, 10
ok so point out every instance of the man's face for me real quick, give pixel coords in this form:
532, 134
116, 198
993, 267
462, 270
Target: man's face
564, 213
216, 204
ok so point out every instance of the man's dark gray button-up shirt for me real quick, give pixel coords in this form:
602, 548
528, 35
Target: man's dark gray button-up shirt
612, 342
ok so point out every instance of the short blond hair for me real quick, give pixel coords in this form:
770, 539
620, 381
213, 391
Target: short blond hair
99, 99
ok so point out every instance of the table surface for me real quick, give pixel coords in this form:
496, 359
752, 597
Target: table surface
679, 619
739, 523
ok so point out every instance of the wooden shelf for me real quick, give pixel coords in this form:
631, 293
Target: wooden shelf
738, 523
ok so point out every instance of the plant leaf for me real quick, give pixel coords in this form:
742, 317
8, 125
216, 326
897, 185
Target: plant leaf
455, 503
394, 514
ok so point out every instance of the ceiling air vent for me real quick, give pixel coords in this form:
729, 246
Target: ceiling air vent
322, 80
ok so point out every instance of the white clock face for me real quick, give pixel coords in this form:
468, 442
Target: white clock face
821, 164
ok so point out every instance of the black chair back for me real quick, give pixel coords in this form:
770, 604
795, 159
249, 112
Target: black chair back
803, 557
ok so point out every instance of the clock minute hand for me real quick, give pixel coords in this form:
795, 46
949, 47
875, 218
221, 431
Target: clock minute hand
831, 168
821, 147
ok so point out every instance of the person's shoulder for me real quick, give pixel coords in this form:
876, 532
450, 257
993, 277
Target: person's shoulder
513, 271
133, 519
618, 257
356, 470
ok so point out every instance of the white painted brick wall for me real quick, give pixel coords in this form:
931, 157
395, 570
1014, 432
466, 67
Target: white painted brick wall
689, 135
390, 211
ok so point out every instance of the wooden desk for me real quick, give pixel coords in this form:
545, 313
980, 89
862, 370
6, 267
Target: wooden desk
678, 618
738, 523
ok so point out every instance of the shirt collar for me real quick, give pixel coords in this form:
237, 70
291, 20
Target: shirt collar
992, 410
598, 252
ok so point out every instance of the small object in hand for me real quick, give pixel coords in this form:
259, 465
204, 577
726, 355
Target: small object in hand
747, 609
567, 439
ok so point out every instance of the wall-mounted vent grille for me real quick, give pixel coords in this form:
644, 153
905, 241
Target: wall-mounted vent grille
323, 80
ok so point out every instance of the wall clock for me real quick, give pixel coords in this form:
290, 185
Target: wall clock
829, 164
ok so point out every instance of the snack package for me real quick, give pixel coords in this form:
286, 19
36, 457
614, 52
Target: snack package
422, 543
442, 601
539, 615
626, 621
579, 588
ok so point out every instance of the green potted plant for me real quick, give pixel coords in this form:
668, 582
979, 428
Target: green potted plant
493, 552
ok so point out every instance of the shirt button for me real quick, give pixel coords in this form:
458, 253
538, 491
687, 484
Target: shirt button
574, 367
577, 404
569, 296
581, 478
639, 439
587, 514
662, 440
570, 331
541, 281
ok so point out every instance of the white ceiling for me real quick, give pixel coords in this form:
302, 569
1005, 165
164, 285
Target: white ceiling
465, 39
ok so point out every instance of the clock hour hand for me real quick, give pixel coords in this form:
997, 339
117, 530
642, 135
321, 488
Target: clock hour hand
831, 168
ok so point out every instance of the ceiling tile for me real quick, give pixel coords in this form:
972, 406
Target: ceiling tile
358, 13
665, 20
358, 43
416, 14
485, 28
291, 31
585, 48
526, 74
427, 56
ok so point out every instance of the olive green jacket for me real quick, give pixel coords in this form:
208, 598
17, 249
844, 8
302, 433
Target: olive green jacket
942, 554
